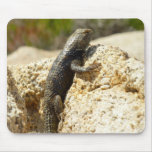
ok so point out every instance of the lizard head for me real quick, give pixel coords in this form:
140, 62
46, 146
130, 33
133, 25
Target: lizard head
79, 40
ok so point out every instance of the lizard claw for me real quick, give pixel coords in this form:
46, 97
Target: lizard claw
92, 67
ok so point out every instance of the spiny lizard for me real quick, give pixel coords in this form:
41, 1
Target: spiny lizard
60, 77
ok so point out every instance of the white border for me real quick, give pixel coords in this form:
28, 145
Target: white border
10, 9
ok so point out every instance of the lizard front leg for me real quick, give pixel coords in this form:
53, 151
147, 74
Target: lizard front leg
76, 67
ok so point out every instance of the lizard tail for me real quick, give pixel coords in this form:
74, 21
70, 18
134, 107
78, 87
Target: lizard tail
50, 119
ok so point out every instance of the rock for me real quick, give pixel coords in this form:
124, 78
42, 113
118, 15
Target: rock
25, 55
25, 91
131, 42
109, 99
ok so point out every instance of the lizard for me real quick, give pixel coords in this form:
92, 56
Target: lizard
60, 77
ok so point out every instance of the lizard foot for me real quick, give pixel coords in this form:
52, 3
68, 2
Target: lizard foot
58, 105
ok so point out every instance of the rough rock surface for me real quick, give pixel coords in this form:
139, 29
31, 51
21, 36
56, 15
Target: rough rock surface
131, 42
108, 100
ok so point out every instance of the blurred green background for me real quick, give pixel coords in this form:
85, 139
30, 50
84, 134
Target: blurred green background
51, 34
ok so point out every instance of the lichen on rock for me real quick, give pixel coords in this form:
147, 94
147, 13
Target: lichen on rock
109, 99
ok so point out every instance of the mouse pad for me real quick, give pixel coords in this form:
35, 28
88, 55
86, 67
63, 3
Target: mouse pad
75, 76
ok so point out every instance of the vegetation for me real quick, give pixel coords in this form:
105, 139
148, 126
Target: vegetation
52, 33
136, 23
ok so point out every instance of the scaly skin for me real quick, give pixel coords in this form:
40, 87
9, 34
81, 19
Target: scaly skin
60, 77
